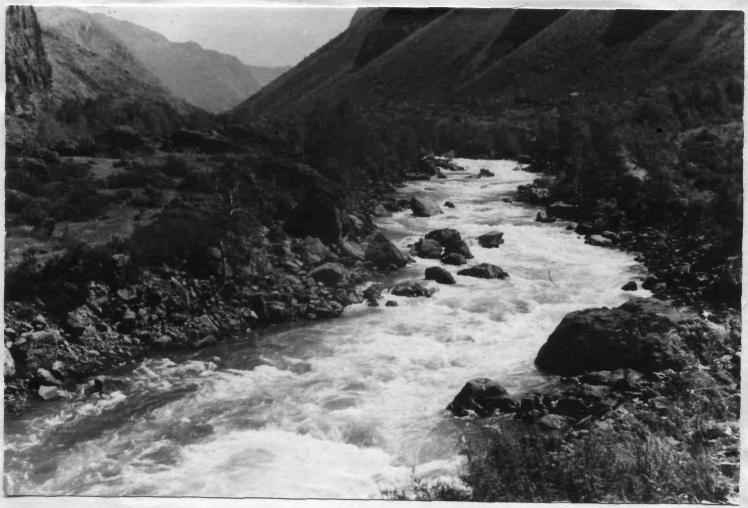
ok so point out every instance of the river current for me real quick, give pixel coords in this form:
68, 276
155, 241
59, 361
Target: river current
344, 408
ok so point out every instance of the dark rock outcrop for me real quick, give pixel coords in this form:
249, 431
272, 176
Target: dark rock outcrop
484, 271
426, 248
424, 207
329, 274
439, 274
444, 236
482, 396
492, 239
633, 335
454, 259
413, 288
318, 214
630, 286
384, 254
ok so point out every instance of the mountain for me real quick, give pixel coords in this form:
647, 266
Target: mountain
460, 58
205, 78
96, 83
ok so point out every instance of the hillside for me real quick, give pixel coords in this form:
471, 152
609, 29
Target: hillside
97, 84
208, 79
465, 57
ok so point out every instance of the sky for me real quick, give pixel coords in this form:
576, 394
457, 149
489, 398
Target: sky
268, 36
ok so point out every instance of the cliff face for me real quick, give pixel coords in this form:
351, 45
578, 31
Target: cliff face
27, 73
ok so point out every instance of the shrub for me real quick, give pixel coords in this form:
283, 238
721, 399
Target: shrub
175, 167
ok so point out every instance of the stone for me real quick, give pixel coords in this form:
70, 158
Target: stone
484, 271
563, 210
49, 392
491, 240
458, 247
424, 207
430, 249
373, 293
9, 365
330, 274
598, 241
555, 422
390, 303
584, 228
454, 259
483, 397
380, 211
544, 217
352, 249
630, 286
485, 173
649, 283
439, 274
633, 335
449, 204
382, 253
444, 236
46, 377
413, 288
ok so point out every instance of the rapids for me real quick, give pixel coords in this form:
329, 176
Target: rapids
343, 408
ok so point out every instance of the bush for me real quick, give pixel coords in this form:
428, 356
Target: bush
175, 167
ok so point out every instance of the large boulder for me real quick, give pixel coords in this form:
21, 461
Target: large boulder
382, 253
423, 207
413, 288
329, 274
9, 365
491, 240
454, 259
373, 294
598, 241
484, 271
634, 335
481, 396
459, 247
426, 248
485, 173
439, 274
564, 211
444, 236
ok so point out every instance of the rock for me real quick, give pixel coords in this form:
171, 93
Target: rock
329, 274
449, 204
441, 175
390, 303
598, 240
380, 211
163, 340
49, 392
9, 365
649, 283
215, 253
633, 335
79, 319
127, 294
423, 207
426, 248
491, 240
484, 271
352, 249
373, 293
544, 217
533, 193
444, 236
45, 377
482, 396
563, 210
413, 288
630, 286
612, 236
382, 253
458, 247
555, 422
584, 229
454, 259
439, 274
485, 173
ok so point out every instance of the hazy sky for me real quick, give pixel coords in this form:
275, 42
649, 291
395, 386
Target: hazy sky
256, 35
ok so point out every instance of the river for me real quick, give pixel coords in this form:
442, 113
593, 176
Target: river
343, 408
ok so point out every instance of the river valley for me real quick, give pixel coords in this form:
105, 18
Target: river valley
342, 408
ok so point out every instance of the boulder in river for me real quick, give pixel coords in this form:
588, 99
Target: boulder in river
439, 274
413, 288
598, 240
373, 293
449, 204
427, 248
382, 253
329, 274
491, 240
444, 236
484, 271
485, 173
634, 335
544, 217
630, 286
483, 397
459, 247
424, 207
380, 211
454, 259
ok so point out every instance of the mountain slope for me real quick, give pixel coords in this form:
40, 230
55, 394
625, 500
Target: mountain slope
208, 79
465, 57
97, 83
